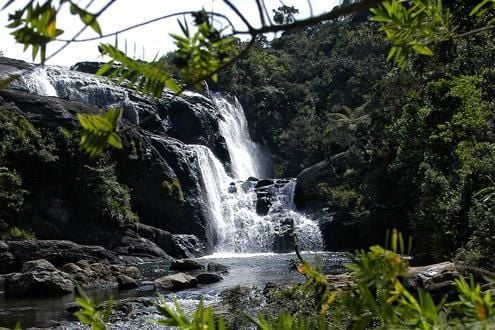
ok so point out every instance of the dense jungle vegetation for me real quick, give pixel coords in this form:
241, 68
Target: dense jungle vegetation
411, 149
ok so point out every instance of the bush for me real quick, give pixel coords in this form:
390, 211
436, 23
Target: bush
16, 233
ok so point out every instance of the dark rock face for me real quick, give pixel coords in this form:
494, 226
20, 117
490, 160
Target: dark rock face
38, 283
130, 244
186, 265
156, 164
178, 246
58, 253
285, 240
38, 278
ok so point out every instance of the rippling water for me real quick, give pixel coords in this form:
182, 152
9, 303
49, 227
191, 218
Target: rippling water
252, 269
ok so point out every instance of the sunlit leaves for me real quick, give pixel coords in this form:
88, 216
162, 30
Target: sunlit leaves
412, 27
202, 318
148, 78
202, 54
35, 24
86, 17
100, 130
90, 314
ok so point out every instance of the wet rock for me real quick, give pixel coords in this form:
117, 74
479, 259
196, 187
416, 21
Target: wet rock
177, 246
252, 178
208, 278
175, 282
232, 188
340, 282
15, 253
284, 240
101, 276
40, 279
37, 266
126, 282
217, 267
263, 183
263, 203
185, 265
132, 245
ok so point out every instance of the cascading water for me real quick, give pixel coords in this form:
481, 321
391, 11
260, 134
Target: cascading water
234, 207
247, 158
233, 204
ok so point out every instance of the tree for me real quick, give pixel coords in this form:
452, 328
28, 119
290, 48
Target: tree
412, 27
285, 14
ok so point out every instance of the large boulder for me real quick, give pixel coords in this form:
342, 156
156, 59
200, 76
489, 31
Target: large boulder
175, 282
186, 265
131, 244
39, 278
15, 253
101, 276
177, 246
208, 278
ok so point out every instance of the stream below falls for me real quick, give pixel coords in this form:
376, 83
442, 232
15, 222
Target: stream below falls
246, 270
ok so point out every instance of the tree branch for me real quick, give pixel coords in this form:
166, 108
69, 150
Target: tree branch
68, 42
154, 20
191, 84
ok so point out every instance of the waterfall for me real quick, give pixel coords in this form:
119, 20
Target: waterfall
247, 158
234, 206
248, 216
36, 81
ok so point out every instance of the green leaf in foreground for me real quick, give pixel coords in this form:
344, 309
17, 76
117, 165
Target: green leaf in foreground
100, 130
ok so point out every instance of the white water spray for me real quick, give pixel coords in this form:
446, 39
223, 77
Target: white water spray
247, 158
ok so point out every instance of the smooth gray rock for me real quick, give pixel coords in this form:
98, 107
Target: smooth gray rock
175, 282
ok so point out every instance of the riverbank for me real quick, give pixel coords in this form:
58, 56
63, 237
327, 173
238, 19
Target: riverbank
251, 271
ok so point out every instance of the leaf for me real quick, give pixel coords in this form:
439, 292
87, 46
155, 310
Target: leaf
422, 49
100, 130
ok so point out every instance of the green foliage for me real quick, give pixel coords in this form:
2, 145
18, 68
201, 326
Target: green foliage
412, 27
146, 78
92, 315
173, 189
16, 233
20, 137
109, 200
98, 130
202, 318
202, 54
483, 8
35, 24
11, 194
285, 14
